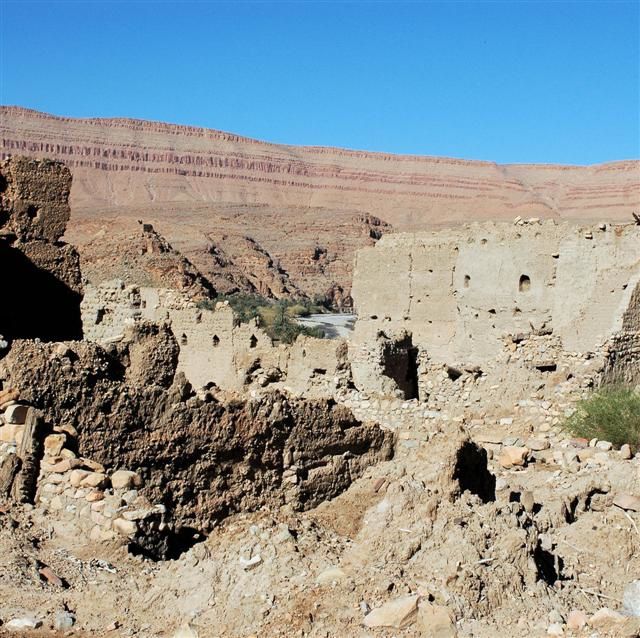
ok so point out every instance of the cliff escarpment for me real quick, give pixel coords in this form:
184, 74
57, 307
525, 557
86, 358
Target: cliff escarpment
193, 183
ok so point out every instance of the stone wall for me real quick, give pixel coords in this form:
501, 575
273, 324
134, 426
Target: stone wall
41, 285
460, 293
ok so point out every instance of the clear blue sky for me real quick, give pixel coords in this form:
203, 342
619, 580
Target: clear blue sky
505, 81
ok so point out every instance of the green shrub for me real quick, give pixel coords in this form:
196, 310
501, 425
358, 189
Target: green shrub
610, 414
279, 325
275, 317
206, 304
298, 310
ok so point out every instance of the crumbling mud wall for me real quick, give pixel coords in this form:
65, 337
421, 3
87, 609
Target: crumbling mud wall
214, 346
41, 275
463, 294
202, 459
317, 367
623, 350
387, 365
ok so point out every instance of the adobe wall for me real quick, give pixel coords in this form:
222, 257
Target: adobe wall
214, 347
42, 285
459, 293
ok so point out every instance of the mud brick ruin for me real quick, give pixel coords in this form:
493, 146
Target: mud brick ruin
123, 410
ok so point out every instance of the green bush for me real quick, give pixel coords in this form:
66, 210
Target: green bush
282, 327
275, 317
206, 304
610, 414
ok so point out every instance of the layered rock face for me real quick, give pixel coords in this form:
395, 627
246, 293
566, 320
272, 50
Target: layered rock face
40, 272
126, 162
201, 187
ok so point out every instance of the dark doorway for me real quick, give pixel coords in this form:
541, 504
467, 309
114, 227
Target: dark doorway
400, 363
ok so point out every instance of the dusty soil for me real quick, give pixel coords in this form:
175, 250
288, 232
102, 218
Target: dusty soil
407, 526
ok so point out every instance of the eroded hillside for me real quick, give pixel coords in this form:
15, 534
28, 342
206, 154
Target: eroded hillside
215, 196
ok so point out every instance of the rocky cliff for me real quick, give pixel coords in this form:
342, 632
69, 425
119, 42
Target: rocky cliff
133, 252
194, 182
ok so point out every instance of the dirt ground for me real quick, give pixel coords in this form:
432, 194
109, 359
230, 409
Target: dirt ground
547, 541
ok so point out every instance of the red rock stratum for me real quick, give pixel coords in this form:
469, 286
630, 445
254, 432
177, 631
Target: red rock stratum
200, 187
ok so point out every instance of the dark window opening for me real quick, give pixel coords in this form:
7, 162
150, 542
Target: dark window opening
525, 283
183, 340
467, 281
216, 341
253, 342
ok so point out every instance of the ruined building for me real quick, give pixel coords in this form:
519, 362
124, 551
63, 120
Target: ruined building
414, 477
468, 298
42, 286
75, 415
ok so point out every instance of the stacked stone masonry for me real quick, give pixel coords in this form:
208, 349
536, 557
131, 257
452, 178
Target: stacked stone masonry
77, 491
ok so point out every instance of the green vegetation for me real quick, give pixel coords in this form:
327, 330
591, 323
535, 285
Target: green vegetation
610, 414
276, 318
